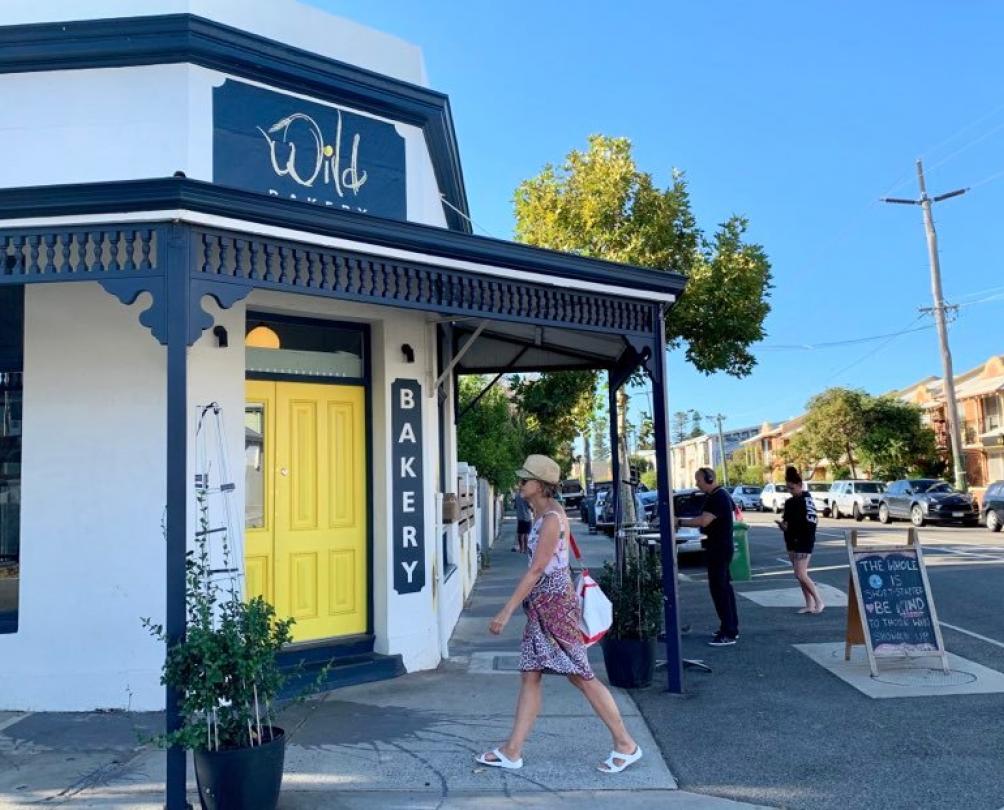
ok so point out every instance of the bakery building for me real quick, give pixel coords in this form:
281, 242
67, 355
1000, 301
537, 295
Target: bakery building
234, 239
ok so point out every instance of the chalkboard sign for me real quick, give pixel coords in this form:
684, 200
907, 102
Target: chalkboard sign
897, 605
890, 608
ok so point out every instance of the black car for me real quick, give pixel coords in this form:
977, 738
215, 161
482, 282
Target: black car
992, 512
923, 500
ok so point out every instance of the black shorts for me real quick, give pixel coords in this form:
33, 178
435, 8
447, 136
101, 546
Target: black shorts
523, 526
802, 545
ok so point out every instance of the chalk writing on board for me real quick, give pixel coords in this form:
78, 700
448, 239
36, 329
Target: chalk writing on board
897, 605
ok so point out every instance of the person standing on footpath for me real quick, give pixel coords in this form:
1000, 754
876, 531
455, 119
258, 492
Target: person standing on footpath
524, 520
552, 641
799, 527
716, 519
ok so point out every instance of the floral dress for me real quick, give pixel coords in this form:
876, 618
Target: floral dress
552, 641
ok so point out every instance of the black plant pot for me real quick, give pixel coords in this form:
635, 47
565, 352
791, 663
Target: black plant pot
242, 778
630, 663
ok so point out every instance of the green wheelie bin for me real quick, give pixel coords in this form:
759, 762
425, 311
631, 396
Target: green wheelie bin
740, 566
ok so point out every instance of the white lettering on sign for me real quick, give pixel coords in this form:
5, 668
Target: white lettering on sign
409, 569
324, 158
407, 470
407, 434
407, 399
407, 501
409, 537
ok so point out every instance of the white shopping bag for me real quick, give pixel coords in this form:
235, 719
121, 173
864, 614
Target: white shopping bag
597, 613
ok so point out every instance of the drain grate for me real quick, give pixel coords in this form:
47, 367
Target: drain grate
508, 662
926, 677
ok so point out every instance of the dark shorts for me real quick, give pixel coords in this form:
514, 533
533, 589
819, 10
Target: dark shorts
523, 526
801, 545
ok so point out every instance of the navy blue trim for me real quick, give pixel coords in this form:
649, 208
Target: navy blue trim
186, 38
178, 312
175, 192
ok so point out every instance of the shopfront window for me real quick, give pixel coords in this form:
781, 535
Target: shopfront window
277, 346
11, 383
254, 465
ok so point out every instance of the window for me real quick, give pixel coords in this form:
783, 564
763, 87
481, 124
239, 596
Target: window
873, 487
11, 385
285, 346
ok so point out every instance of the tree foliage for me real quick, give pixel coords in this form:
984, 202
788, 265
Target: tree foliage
555, 408
599, 204
862, 433
489, 435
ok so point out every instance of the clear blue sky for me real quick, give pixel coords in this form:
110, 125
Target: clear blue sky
798, 115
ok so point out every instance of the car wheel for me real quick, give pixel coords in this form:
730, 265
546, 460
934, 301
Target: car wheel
993, 520
917, 515
884, 514
857, 513
835, 511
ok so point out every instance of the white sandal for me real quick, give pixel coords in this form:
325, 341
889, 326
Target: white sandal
626, 759
502, 760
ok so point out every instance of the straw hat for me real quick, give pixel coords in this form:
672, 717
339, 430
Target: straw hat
540, 468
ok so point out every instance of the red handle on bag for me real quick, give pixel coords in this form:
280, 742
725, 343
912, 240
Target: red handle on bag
574, 545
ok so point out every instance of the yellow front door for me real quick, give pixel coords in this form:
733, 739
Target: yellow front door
305, 546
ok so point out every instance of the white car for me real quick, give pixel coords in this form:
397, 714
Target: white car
856, 498
820, 492
773, 496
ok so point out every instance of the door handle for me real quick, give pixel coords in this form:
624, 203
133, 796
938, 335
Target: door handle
283, 471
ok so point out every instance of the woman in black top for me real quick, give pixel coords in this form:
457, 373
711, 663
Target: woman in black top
799, 527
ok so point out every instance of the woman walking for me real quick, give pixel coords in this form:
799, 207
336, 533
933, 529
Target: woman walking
799, 527
552, 641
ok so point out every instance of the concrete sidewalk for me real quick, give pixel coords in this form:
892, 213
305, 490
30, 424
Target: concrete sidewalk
404, 743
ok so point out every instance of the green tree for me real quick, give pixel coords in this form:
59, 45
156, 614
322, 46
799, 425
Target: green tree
742, 473
601, 438
490, 436
598, 203
554, 409
646, 432
696, 429
835, 427
679, 426
896, 443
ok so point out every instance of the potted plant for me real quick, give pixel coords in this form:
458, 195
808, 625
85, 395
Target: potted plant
228, 677
630, 643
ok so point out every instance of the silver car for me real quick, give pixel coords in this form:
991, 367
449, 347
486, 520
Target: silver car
773, 496
746, 497
856, 498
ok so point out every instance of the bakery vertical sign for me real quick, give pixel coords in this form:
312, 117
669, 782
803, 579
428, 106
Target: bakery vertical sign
287, 147
407, 479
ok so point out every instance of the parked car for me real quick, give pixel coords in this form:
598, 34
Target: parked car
773, 496
746, 497
591, 501
922, 500
571, 493
820, 492
992, 513
855, 498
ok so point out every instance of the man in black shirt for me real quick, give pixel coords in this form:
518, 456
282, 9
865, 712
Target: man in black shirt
716, 519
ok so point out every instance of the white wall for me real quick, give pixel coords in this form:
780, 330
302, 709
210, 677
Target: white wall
296, 24
93, 494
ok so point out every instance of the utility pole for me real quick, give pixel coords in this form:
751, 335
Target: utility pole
951, 406
721, 444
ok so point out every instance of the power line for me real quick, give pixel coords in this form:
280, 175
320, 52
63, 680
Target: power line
849, 342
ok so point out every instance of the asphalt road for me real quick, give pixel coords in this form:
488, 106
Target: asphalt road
770, 726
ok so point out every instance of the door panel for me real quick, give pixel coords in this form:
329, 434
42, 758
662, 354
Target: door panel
259, 476
312, 546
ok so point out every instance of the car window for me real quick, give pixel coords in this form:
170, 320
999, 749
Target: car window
921, 484
940, 488
869, 486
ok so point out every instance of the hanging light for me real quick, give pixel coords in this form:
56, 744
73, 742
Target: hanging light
262, 337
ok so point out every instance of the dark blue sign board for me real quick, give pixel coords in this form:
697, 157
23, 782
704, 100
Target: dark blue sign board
407, 488
890, 608
288, 147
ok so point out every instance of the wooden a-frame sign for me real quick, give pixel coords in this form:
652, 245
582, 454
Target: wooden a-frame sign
892, 614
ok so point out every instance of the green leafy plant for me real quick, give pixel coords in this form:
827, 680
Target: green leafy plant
636, 597
226, 667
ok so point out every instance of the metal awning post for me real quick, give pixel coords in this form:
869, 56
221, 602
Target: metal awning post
178, 288
660, 422
615, 472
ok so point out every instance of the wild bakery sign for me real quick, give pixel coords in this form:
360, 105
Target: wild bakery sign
288, 147
407, 478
